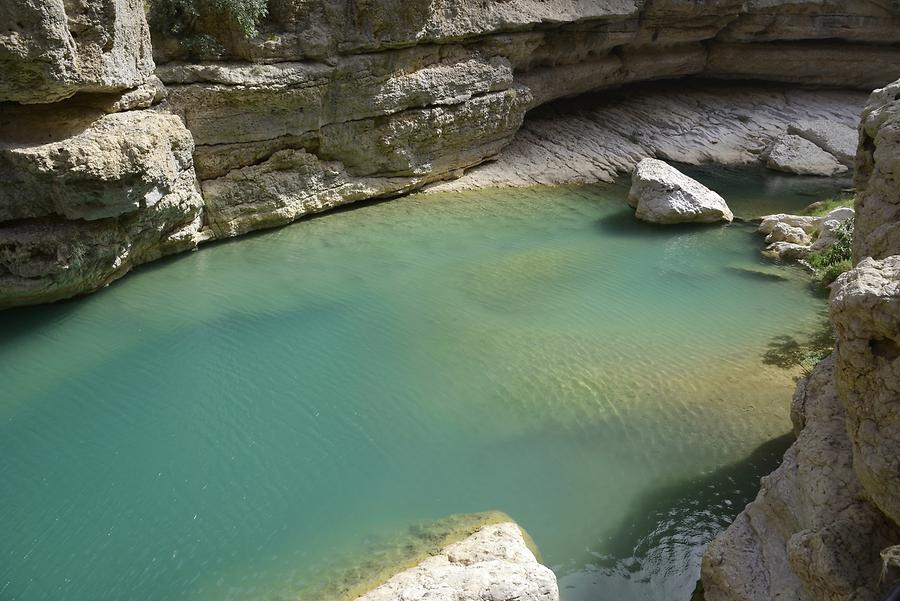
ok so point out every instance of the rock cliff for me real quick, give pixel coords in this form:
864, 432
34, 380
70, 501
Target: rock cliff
821, 520
102, 167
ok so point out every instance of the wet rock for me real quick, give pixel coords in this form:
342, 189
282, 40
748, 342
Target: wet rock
662, 194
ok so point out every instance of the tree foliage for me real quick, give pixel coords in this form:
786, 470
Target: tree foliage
201, 25
837, 259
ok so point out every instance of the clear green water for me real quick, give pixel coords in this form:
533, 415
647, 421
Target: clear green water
243, 422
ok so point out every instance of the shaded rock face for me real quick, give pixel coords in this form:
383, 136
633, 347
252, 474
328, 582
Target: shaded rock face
494, 564
662, 194
820, 521
810, 533
877, 177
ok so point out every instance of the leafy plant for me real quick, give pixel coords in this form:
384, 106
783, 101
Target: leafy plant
201, 25
837, 259
823, 207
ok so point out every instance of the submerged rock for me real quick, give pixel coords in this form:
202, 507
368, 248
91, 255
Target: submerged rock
662, 194
493, 564
794, 154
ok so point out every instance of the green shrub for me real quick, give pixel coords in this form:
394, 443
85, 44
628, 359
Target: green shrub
831, 263
199, 24
823, 207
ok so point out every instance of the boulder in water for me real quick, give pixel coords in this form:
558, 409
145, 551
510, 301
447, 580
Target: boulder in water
662, 194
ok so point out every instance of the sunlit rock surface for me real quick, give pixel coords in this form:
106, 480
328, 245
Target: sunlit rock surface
493, 564
878, 177
662, 194
50, 50
602, 136
794, 154
84, 200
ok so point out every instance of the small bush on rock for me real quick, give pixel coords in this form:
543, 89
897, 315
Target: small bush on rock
201, 25
834, 261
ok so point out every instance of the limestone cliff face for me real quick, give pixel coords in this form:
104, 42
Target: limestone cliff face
92, 179
335, 102
822, 518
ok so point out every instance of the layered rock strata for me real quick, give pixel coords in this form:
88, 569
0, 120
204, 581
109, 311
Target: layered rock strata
335, 102
597, 138
93, 180
821, 520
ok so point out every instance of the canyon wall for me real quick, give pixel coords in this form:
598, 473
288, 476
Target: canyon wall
821, 520
107, 161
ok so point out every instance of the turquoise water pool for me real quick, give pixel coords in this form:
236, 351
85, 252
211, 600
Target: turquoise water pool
245, 422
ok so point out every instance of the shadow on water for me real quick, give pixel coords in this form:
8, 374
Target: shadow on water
624, 224
789, 352
655, 552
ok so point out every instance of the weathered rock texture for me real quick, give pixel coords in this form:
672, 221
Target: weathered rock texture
92, 180
335, 102
597, 138
494, 564
821, 519
662, 194
878, 176
52, 49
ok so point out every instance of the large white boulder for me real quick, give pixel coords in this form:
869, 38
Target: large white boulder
494, 564
662, 194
